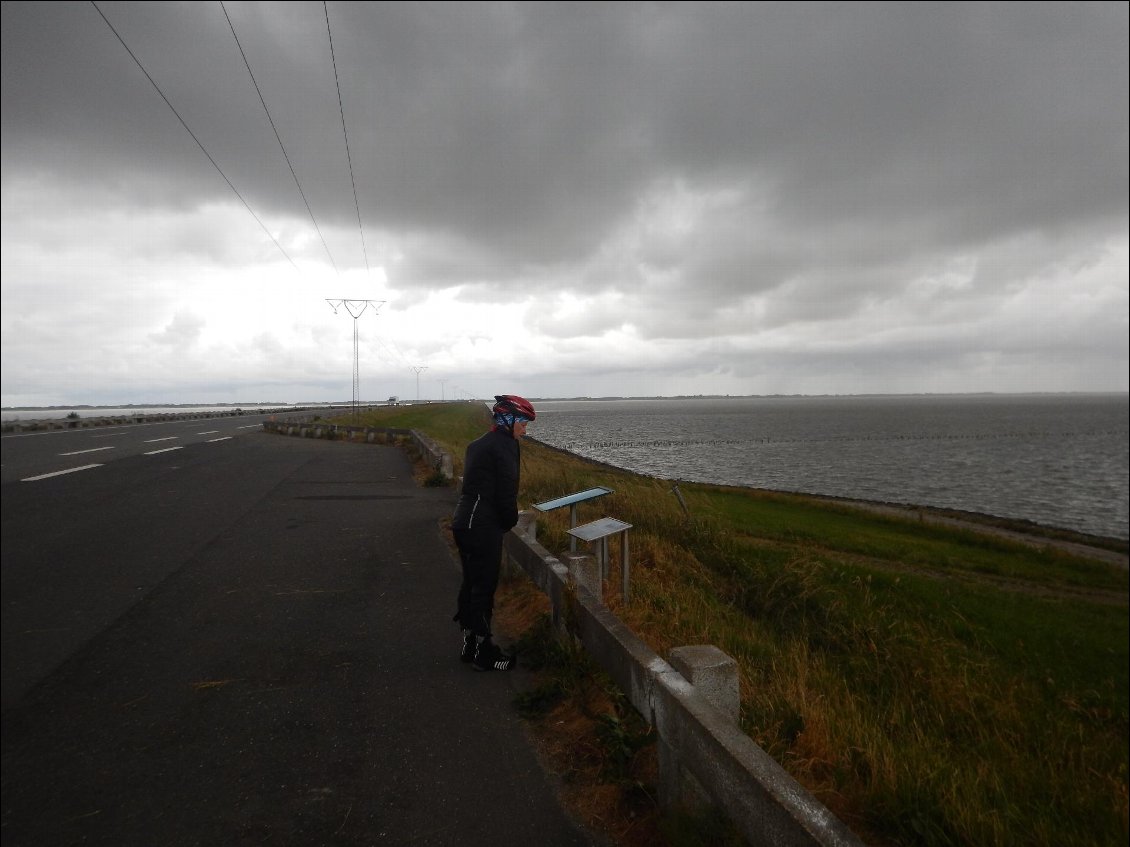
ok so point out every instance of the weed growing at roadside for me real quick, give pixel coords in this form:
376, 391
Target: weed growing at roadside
598, 738
436, 480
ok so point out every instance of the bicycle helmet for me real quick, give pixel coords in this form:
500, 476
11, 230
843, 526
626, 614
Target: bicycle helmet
509, 408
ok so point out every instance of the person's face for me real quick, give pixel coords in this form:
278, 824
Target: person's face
520, 428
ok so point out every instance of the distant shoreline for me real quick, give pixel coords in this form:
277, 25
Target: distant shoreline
384, 402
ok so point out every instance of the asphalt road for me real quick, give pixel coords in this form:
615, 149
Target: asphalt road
38, 455
249, 642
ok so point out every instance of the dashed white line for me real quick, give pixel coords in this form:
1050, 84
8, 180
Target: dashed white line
209, 432
97, 449
59, 473
91, 450
249, 426
167, 438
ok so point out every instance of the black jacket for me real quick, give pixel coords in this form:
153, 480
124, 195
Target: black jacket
489, 497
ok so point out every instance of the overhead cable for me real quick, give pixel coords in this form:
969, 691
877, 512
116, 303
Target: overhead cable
348, 157
191, 133
277, 137
393, 356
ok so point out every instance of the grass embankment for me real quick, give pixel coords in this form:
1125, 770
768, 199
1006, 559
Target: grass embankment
929, 685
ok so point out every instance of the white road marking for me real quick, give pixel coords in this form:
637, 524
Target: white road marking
59, 473
91, 450
150, 453
155, 440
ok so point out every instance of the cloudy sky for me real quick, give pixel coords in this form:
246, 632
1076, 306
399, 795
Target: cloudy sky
561, 199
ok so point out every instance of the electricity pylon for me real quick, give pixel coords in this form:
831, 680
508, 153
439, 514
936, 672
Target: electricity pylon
417, 369
356, 309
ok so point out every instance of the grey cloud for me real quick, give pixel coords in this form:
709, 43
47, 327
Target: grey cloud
532, 126
719, 168
183, 330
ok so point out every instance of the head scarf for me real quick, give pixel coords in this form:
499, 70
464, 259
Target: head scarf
506, 420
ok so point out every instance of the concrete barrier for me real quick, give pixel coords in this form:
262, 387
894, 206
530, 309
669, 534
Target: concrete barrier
434, 456
696, 738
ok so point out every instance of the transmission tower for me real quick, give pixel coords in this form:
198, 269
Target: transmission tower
355, 308
417, 369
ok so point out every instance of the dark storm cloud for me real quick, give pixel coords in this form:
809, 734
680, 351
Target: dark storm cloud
533, 127
758, 174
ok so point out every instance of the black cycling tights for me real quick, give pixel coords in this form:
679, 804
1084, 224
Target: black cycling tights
480, 552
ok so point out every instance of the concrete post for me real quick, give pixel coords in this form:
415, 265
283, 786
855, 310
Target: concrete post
527, 527
714, 676
585, 571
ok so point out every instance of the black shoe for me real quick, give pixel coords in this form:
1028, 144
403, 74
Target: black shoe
468, 652
489, 658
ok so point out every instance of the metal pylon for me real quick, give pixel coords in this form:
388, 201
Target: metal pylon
356, 309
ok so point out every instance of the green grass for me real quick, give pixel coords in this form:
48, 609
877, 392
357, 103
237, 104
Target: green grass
451, 425
930, 685
793, 519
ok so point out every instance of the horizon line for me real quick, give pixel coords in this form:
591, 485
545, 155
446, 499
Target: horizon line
579, 397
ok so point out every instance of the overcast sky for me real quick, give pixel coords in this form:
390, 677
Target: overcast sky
562, 200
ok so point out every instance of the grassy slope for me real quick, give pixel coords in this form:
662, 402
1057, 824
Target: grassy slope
930, 685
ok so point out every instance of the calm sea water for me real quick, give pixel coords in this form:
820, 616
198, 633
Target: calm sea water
1058, 460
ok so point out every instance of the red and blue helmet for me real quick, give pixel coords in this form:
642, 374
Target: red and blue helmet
509, 409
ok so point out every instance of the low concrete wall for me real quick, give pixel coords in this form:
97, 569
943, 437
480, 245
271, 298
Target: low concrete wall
434, 455
766, 804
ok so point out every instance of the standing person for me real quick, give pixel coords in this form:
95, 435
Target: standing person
487, 509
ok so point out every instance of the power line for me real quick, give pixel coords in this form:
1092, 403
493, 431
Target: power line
393, 359
255, 82
219, 170
348, 157
399, 353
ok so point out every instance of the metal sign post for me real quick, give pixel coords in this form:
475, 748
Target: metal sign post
600, 531
571, 500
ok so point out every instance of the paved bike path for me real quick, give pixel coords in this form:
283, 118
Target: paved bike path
295, 683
